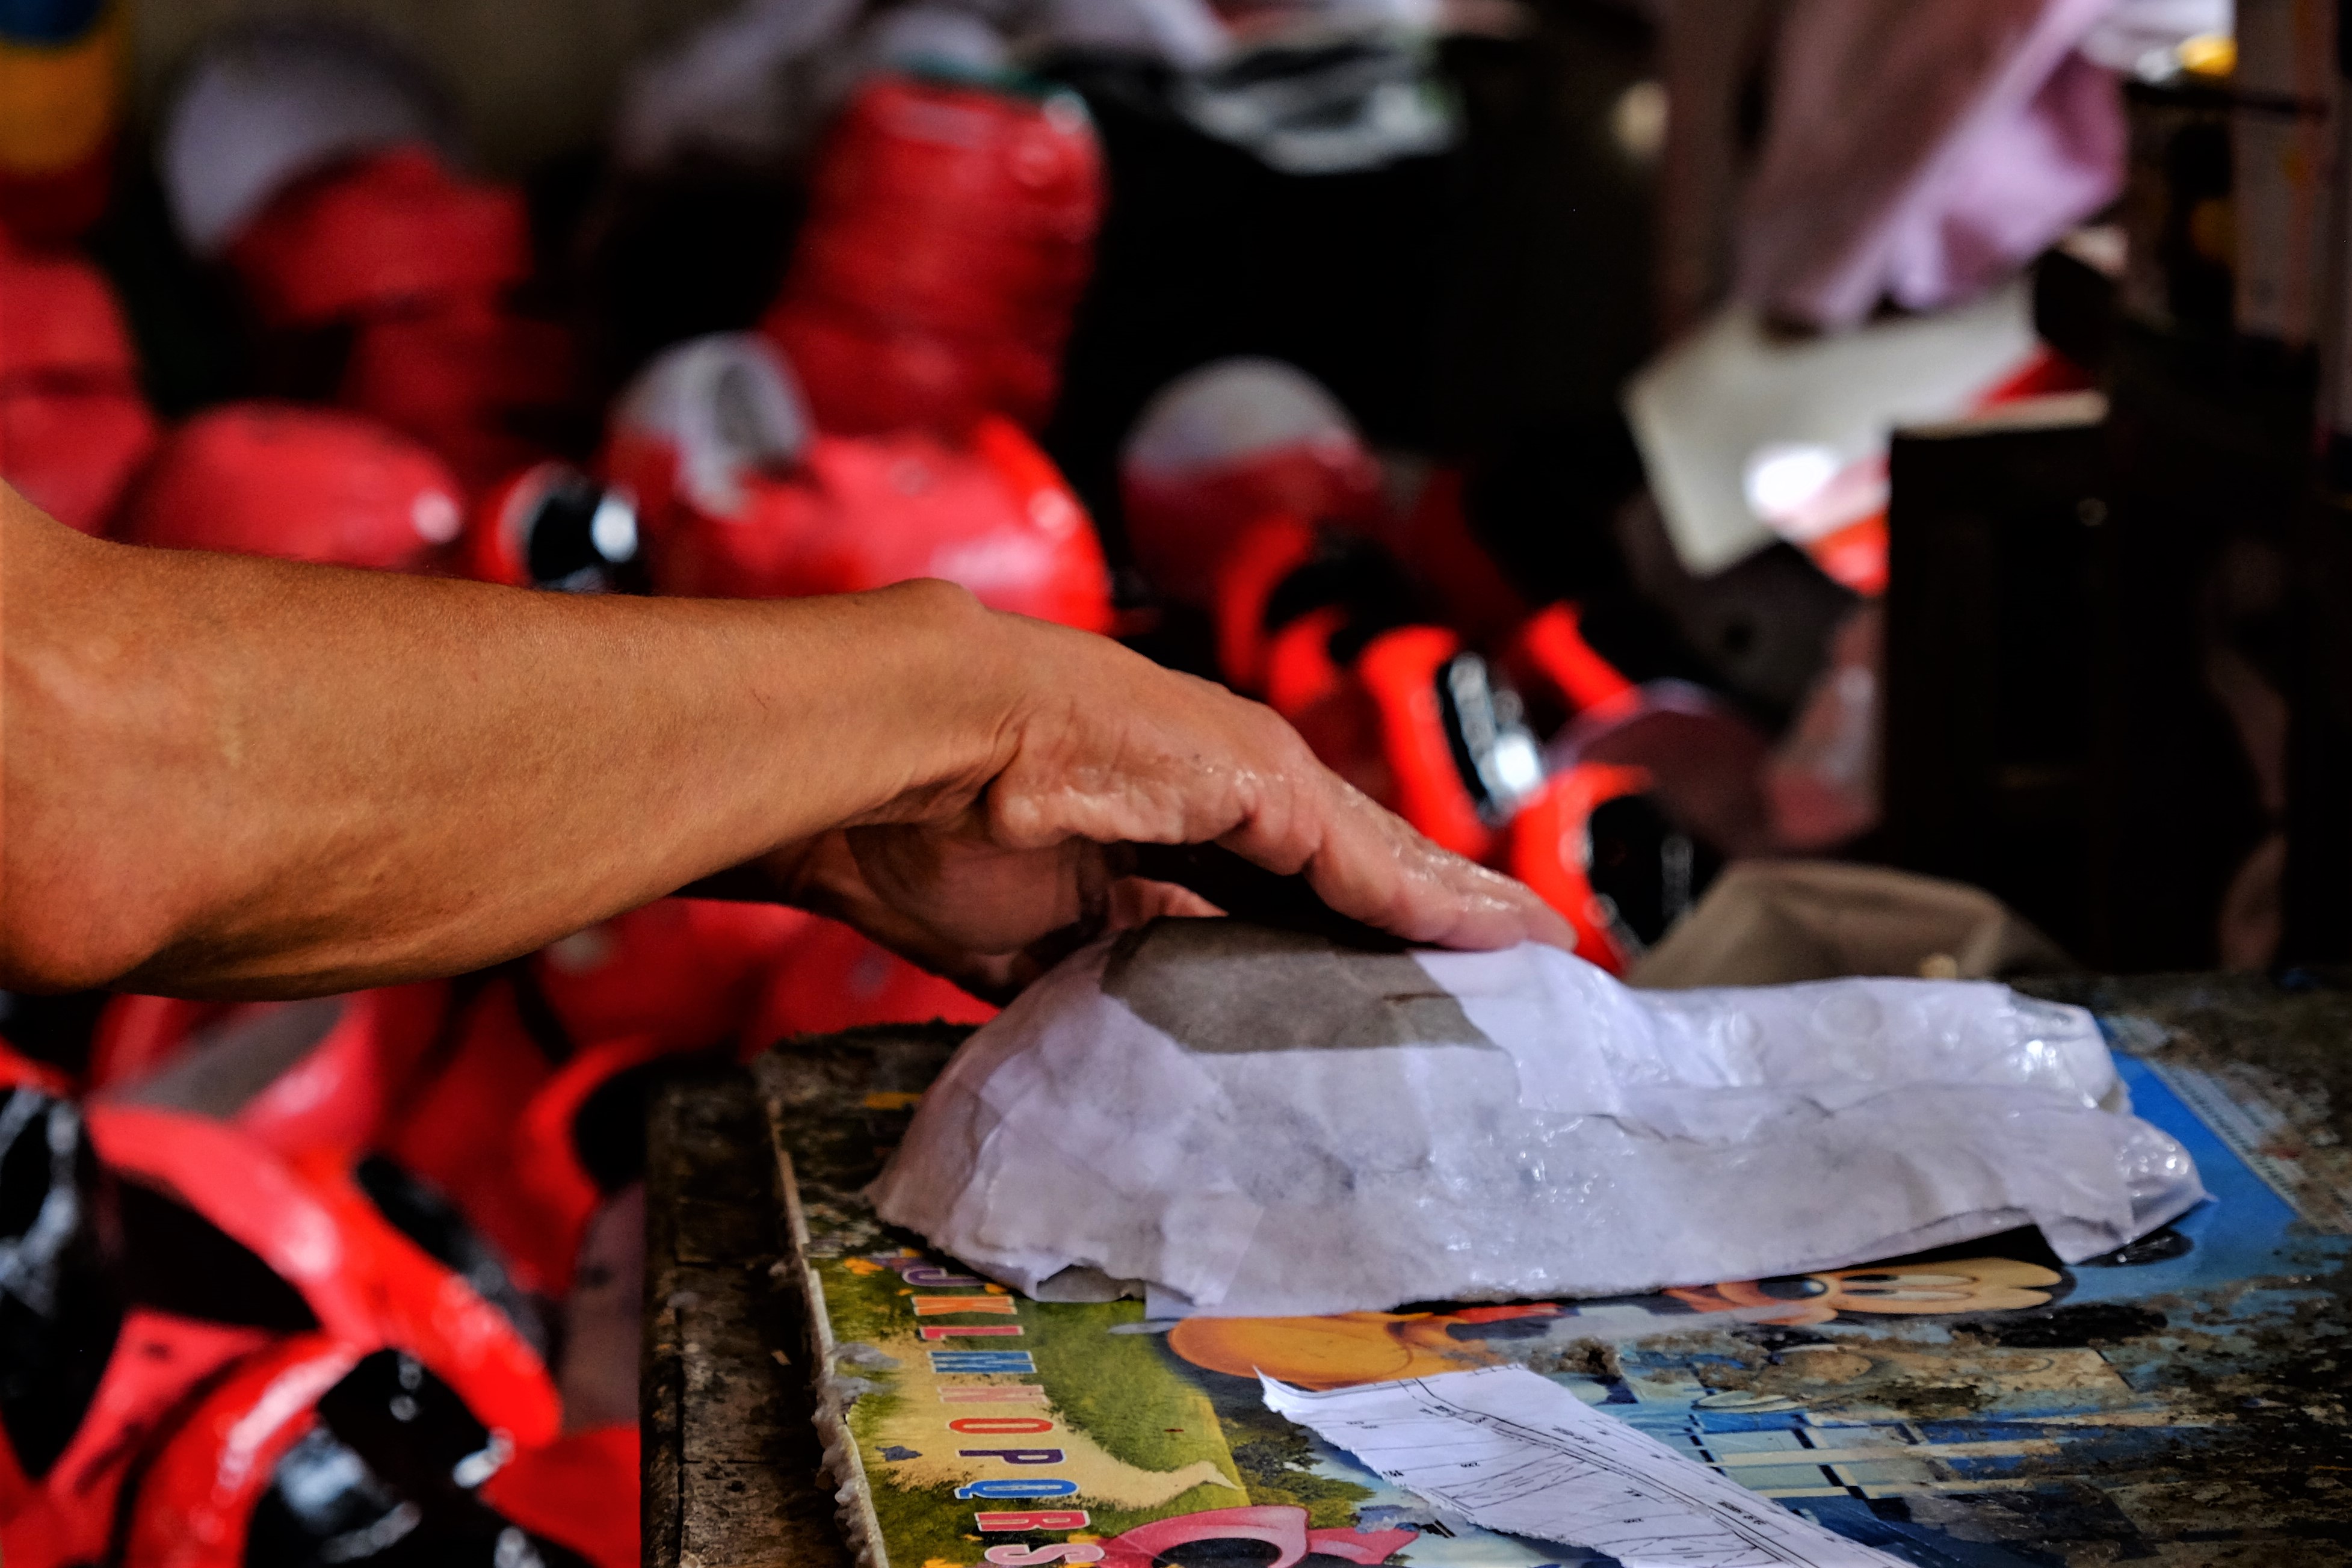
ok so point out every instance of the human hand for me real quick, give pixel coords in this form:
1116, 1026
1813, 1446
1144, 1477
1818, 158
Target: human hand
1093, 747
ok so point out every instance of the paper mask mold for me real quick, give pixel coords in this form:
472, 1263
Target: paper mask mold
1235, 1121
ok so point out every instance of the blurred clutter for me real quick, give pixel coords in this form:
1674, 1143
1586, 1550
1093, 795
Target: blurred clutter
1635, 442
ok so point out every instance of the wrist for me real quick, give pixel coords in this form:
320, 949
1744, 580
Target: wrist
952, 678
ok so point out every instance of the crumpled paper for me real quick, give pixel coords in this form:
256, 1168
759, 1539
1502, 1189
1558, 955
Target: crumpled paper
1231, 1120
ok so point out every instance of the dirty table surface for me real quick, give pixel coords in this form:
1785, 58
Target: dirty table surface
730, 1454
2250, 1462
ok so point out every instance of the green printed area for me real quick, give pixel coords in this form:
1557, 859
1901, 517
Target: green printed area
1275, 1459
1137, 1421
863, 1308
1122, 1390
928, 1524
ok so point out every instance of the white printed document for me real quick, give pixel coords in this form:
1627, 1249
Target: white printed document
1513, 1451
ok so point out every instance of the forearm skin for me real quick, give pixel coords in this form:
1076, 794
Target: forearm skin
228, 777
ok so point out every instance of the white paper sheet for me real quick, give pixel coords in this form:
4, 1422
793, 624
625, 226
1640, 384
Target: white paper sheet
1261, 1131
1732, 393
1515, 1452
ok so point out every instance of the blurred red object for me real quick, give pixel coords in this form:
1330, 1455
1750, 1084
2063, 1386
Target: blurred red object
485, 387
1549, 847
580, 1491
1223, 448
1254, 569
312, 1225
500, 1125
337, 1068
951, 232
1405, 672
303, 484
74, 426
552, 526
1549, 653
741, 502
688, 973
195, 1501
418, 264
457, 1132
867, 512
835, 978
386, 231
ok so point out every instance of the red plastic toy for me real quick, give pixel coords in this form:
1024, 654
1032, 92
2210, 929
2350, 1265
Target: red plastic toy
741, 502
303, 484
1549, 847
339, 1068
92, 1376
314, 1451
951, 231
1223, 448
552, 526
835, 978
367, 1284
74, 426
418, 265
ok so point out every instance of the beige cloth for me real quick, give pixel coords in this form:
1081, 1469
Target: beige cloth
1773, 923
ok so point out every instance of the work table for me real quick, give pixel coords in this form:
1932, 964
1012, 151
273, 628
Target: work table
731, 1468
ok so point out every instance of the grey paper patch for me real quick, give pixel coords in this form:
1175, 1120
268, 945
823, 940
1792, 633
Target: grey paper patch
1225, 987
1081, 1283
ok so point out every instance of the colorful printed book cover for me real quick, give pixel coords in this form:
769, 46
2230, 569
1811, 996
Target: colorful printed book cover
2178, 1402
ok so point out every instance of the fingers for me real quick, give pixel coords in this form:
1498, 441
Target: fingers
1105, 748
1369, 865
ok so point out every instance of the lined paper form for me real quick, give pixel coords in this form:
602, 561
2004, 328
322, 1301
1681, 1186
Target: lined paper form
1513, 1451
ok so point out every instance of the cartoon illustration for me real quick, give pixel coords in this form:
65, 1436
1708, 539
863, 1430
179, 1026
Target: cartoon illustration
1956, 1285
1350, 1348
1345, 1348
1210, 1537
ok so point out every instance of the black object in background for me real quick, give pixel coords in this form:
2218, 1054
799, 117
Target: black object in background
2209, 444
2316, 897
184, 315
1990, 740
389, 1478
1205, 253
1482, 305
699, 249
2075, 309
2316, 913
2085, 643
57, 1029
63, 1309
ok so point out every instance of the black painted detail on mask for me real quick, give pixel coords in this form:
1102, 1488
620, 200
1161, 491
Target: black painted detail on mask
420, 1212
389, 1478
177, 1261
59, 1309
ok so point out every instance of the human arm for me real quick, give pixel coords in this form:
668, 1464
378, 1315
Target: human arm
227, 776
